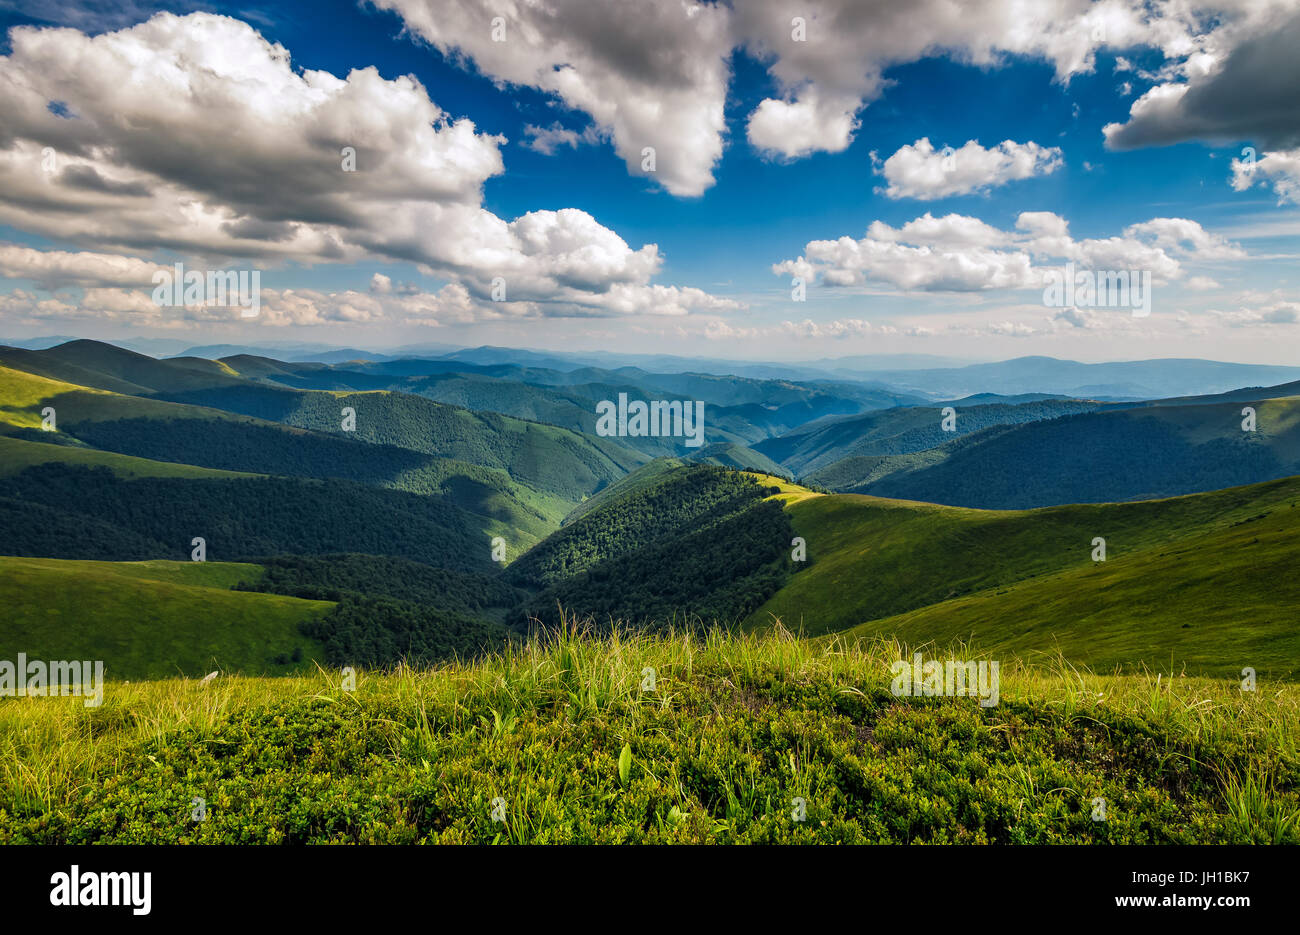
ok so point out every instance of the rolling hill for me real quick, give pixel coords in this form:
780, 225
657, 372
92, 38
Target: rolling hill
99, 427
17, 454
226, 450
557, 464
107, 367
901, 430
158, 619
1126, 454
153, 619
691, 544
1200, 581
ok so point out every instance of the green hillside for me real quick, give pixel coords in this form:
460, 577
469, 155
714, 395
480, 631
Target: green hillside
698, 544
902, 430
1198, 580
152, 619
1134, 453
738, 457
68, 511
739, 409
548, 459
39, 363
649, 474
16, 454
558, 466
23, 395
107, 367
139, 436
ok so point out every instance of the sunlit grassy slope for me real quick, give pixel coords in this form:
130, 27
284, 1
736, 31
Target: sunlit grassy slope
1206, 580
17, 454
151, 619
23, 395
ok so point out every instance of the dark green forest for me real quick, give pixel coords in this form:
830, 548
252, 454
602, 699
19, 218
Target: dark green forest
700, 546
1088, 458
65, 511
391, 608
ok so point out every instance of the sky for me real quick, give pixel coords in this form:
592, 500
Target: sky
772, 179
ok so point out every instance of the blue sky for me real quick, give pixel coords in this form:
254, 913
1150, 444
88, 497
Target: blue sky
1224, 287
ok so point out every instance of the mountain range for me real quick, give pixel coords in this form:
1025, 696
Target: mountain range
416, 507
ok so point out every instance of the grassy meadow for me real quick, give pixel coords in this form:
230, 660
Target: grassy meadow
152, 619
1204, 580
567, 741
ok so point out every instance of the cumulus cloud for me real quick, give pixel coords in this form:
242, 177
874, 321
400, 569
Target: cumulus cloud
1013, 329
1279, 169
649, 74
839, 328
1237, 81
794, 129
838, 67
197, 135
957, 253
1268, 313
656, 74
547, 140
54, 268
919, 171
1186, 237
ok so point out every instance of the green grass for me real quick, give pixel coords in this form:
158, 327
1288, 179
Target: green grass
734, 731
22, 396
17, 454
150, 619
788, 491
1204, 581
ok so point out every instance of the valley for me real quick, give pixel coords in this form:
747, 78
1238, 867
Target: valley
423, 520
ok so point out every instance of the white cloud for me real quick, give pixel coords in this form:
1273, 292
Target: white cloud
1280, 169
919, 171
839, 328
54, 268
807, 329
794, 129
839, 68
1270, 313
547, 140
649, 74
1187, 238
195, 134
958, 253
1014, 329
656, 74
